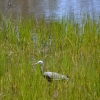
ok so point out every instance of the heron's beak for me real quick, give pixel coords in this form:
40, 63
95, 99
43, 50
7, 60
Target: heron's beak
36, 63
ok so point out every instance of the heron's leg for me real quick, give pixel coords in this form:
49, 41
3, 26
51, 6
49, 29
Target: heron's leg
49, 88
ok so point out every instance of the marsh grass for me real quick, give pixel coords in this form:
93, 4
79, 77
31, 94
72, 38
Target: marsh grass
64, 46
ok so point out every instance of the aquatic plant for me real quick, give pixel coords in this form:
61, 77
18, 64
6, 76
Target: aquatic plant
65, 46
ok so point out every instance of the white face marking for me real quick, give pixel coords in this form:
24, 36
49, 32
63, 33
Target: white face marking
40, 62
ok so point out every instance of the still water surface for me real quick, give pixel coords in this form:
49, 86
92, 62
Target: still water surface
51, 9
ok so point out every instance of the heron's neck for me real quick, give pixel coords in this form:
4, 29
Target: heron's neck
42, 68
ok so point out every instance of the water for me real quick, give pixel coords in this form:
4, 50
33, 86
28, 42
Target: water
51, 9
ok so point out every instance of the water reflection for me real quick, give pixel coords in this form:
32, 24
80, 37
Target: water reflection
51, 8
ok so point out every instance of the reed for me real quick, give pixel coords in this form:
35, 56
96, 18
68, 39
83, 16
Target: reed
65, 46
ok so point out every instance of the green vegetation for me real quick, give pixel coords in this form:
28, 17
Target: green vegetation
64, 46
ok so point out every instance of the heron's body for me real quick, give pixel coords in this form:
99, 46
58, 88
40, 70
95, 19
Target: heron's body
52, 75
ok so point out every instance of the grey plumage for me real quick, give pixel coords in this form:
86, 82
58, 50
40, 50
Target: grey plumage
51, 75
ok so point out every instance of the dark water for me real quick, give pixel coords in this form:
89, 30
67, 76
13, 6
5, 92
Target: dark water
51, 9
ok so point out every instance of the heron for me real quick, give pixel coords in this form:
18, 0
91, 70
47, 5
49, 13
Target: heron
50, 76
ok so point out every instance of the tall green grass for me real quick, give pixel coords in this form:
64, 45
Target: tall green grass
66, 47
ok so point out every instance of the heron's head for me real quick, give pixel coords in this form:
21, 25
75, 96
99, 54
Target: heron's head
42, 65
39, 62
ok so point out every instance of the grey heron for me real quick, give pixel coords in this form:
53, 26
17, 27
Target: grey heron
51, 75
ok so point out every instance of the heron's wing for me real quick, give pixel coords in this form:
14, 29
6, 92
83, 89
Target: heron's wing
57, 76
49, 74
